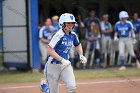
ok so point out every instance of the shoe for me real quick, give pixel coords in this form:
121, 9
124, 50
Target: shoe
104, 65
138, 64
43, 86
122, 68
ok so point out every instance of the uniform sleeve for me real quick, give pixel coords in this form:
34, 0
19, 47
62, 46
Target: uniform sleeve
41, 32
102, 26
131, 26
76, 40
55, 39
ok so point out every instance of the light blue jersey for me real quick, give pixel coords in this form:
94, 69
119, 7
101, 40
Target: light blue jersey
62, 43
123, 29
45, 33
56, 27
106, 26
136, 24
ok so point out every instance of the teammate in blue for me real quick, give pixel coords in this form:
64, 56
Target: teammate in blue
55, 23
124, 30
45, 34
106, 31
92, 39
58, 64
136, 23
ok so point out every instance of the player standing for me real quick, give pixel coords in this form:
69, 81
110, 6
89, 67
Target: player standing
58, 64
124, 30
106, 30
55, 23
136, 24
45, 34
92, 24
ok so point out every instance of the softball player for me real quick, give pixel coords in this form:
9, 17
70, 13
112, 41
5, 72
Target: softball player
45, 34
58, 64
136, 24
106, 30
124, 30
92, 39
55, 23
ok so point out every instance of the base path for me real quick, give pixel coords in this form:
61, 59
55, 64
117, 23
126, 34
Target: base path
113, 85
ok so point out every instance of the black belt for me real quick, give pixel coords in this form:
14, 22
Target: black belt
52, 62
124, 36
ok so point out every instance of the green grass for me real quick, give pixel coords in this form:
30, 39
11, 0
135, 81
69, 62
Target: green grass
15, 77
1, 61
107, 73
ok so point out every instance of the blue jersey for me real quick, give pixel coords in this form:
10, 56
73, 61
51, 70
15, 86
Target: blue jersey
62, 43
123, 29
56, 27
45, 33
106, 26
136, 24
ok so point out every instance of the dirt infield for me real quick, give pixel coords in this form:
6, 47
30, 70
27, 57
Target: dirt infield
117, 85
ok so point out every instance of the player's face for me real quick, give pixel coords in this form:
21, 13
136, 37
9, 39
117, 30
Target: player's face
92, 14
135, 16
69, 26
55, 21
124, 19
105, 19
48, 22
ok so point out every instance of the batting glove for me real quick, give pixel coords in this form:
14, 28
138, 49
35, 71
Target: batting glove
116, 38
83, 59
65, 62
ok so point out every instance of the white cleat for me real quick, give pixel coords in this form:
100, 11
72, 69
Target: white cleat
122, 68
138, 64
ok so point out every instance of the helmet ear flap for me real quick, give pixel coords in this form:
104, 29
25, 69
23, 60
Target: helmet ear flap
63, 25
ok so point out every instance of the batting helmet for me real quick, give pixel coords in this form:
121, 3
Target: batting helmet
66, 17
123, 14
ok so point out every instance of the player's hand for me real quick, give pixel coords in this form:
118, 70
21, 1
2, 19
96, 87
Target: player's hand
65, 62
134, 41
83, 59
99, 36
116, 38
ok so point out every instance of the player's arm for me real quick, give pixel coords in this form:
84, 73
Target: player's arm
52, 52
79, 49
54, 41
132, 30
103, 31
80, 52
44, 40
116, 33
102, 28
41, 36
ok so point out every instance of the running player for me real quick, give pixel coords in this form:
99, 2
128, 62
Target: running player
58, 64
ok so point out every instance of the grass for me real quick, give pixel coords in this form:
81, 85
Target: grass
106, 73
15, 77
1, 61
